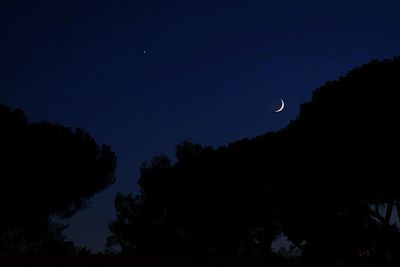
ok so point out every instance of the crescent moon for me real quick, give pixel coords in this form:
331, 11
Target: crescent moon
281, 107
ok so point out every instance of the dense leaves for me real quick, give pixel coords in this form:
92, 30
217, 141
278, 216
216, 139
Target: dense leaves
320, 181
48, 171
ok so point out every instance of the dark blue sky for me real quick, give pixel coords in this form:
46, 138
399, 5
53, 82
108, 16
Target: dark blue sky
211, 73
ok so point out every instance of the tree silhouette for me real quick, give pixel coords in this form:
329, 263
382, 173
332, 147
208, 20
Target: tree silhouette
320, 181
343, 143
195, 207
48, 171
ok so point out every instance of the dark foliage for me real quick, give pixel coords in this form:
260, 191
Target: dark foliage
47, 173
320, 181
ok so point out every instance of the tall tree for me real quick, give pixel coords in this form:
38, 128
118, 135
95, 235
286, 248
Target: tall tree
320, 181
199, 206
342, 149
48, 172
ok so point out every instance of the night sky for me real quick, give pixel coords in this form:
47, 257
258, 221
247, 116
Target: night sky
143, 76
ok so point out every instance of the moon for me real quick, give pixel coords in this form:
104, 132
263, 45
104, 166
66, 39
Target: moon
281, 107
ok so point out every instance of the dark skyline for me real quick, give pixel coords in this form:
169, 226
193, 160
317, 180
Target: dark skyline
210, 73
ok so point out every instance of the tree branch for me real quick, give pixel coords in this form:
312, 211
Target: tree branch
377, 215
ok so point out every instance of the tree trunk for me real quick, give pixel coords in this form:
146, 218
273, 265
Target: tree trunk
389, 210
398, 208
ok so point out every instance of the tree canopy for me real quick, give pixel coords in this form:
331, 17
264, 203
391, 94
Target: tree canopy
48, 172
321, 181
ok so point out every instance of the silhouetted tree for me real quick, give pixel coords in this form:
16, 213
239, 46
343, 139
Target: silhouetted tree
195, 207
342, 149
320, 181
48, 171
128, 226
